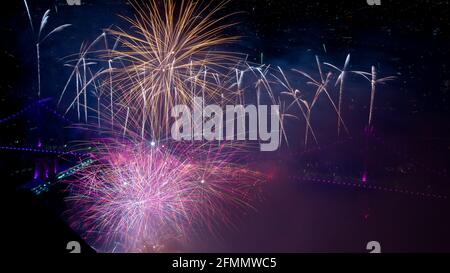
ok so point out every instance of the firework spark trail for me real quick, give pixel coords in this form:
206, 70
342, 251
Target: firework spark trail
78, 61
372, 78
296, 96
39, 40
137, 193
261, 74
321, 87
341, 79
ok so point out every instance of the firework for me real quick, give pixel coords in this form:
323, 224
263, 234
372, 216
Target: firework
260, 73
372, 78
169, 57
39, 39
137, 194
341, 79
321, 87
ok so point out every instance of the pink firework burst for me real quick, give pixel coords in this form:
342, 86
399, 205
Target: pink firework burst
137, 196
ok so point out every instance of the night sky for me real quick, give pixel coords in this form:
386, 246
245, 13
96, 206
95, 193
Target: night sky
314, 201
